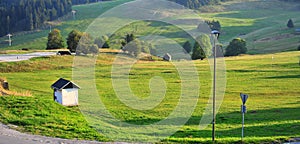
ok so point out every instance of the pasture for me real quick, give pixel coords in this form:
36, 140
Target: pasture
269, 79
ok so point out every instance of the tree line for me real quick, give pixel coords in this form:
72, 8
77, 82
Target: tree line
79, 42
83, 43
195, 4
26, 15
202, 48
290, 0
77, 2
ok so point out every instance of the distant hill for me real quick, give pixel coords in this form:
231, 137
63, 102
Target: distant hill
25, 15
262, 23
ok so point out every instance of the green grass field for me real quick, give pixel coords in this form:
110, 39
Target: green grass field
273, 105
270, 78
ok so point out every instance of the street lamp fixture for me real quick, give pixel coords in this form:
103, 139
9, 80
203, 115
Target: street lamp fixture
215, 35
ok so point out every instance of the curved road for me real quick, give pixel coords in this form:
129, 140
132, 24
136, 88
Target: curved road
22, 57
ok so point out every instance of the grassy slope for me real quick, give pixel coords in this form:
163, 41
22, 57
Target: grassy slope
272, 107
257, 21
38, 114
262, 23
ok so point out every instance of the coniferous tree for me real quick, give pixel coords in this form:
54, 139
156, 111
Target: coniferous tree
24, 15
196, 4
214, 25
290, 23
187, 46
30, 24
202, 48
198, 52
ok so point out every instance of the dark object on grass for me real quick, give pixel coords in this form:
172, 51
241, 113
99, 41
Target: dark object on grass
4, 84
25, 49
64, 53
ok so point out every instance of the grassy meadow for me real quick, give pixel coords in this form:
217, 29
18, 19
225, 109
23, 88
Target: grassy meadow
261, 23
269, 75
273, 105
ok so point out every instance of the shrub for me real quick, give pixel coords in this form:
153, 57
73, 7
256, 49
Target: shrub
236, 47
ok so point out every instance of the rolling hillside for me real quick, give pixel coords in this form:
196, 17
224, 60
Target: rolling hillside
270, 80
261, 23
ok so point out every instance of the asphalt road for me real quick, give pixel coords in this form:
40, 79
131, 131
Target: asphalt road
10, 136
22, 57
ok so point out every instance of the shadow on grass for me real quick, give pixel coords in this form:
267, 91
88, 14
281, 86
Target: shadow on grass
252, 117
251, 71
268, 130
264, 123
283, 77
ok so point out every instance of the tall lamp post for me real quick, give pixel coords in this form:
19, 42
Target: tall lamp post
9, 39
215, 35
74, 14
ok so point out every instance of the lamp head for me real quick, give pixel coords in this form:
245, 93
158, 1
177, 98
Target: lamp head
216, 33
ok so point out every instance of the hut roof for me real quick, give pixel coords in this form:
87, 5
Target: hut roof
63, 84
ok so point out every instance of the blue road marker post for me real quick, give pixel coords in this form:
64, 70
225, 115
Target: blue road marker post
244, 98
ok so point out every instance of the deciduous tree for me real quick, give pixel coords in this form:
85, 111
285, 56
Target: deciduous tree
73, 40
236, 47
86, 45
55, 40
